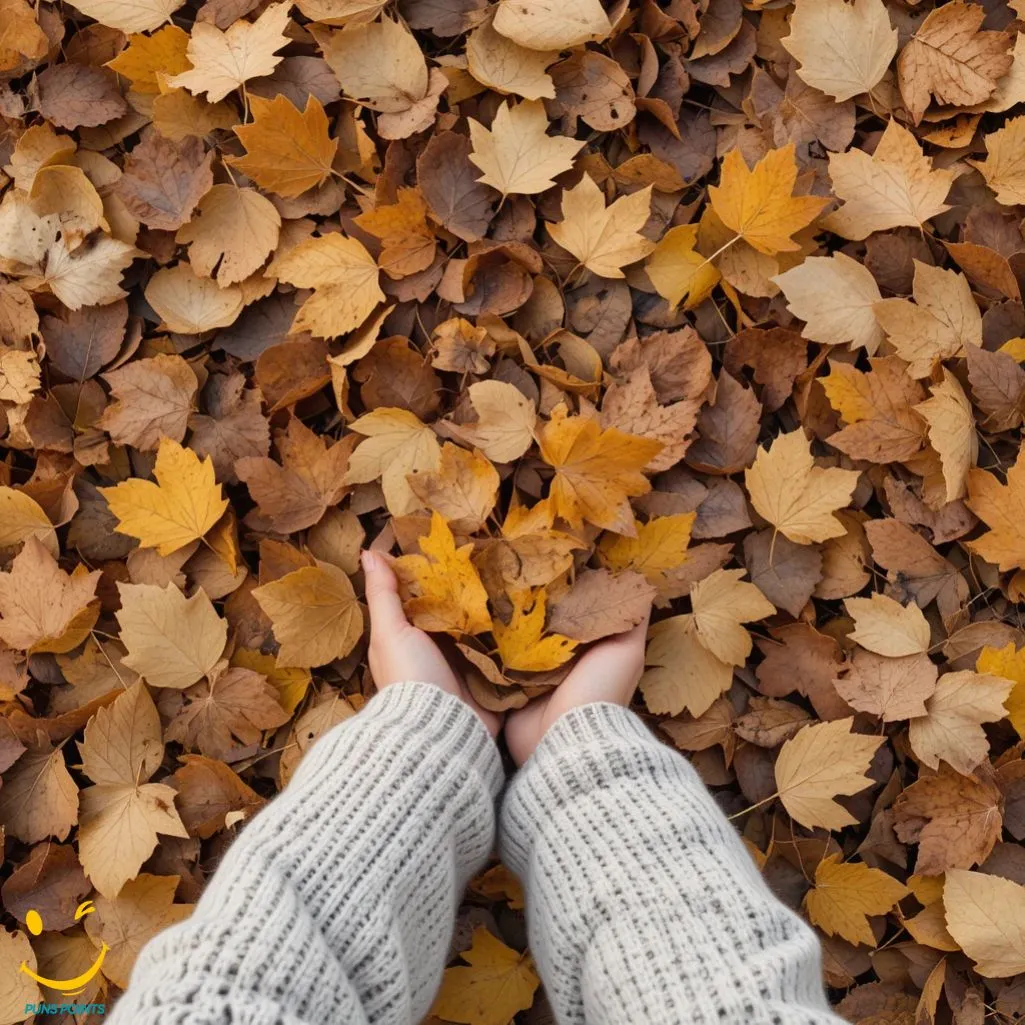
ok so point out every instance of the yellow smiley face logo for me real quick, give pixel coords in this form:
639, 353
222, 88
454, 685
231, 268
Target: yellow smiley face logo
34, 921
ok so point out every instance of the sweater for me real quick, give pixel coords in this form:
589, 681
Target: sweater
337, 901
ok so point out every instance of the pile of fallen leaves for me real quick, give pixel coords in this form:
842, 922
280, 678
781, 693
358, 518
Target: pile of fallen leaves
568, 307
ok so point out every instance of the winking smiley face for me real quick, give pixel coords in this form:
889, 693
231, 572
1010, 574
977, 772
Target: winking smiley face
73, 986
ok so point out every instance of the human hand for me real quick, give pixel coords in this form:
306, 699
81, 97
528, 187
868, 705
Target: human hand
399, 651
610, 671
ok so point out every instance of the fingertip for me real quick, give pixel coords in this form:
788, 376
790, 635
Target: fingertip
382, 590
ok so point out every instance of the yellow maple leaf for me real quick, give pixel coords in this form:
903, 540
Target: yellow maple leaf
287, 150
495, 984
596, 471
797, 497
1010, 664
145, 57
407, 239
759, 205
448, 595
1002, 508
179, 508
521, 643
846, 893
678, 271
223, 61
657, 546
604, 239
343, 276
516, 154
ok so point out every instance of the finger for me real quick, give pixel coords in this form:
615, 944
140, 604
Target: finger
386, 613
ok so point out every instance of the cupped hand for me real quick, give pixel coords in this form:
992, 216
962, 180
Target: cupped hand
399, 651
610, 671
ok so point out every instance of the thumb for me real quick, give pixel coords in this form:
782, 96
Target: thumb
386, 612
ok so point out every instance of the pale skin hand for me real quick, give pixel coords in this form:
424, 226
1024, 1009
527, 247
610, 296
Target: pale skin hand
399, 651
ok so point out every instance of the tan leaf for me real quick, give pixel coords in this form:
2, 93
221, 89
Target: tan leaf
894, 186
797, 497
843, 49
172, 641
505, 66
986, 916
950, 59
886, 627
819, 763
951, 432
516, 154
552, 24
39, 798
600, 603
189, 304
463, 488
951, 729
604, 240
315, 615
505, 421
890, 688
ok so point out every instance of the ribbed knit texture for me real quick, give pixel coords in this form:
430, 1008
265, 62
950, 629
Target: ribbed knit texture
336, 904
338, 901
643, 907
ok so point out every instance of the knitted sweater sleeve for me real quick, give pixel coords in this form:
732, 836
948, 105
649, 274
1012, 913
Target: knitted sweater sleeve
337, 901
642, 903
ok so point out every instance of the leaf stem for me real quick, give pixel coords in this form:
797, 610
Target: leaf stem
757, 804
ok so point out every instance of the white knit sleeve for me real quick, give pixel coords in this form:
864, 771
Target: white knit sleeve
337, 902
642, 904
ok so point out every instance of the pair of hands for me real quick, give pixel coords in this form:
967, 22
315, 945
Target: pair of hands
399, 651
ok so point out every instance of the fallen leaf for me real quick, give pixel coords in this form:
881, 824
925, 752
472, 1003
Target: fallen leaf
892, 688
1001, 507
522, 643
819, 763
886, 627
797, 497
984, 915
845, 894
463, 488
181, 507
599, 604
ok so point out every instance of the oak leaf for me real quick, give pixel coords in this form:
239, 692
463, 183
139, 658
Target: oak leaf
516, 154
315, 615
951, 729
843, 49
287, 150
797, 497
758, 204
181, 507
985, 914
596, 471
446, 593
122, 813
845, 894
603, 239
819, 763
172, 641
